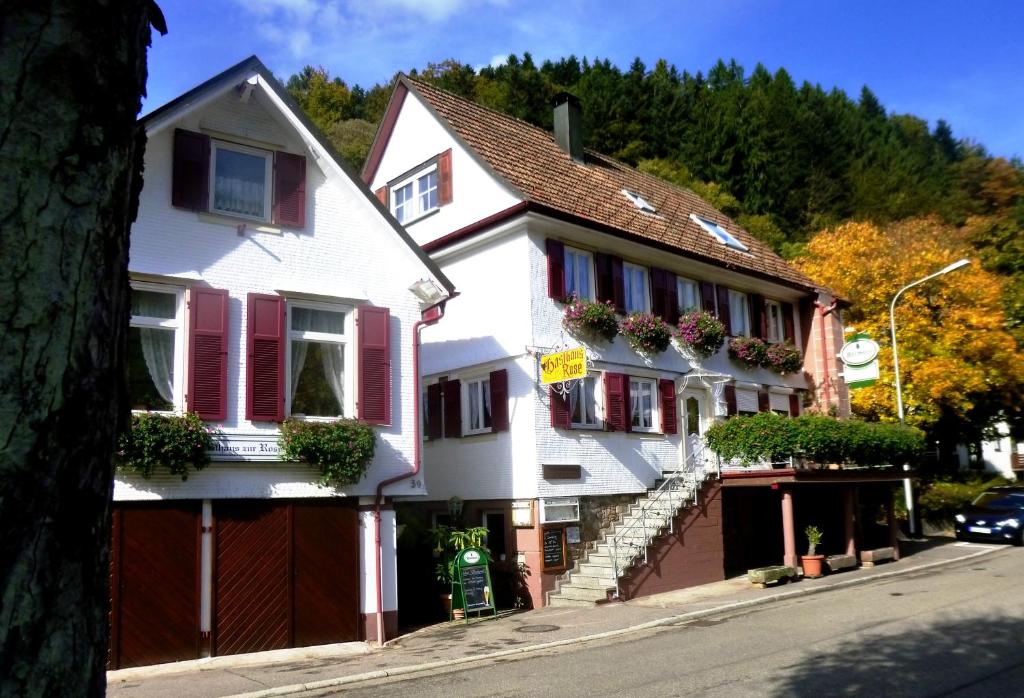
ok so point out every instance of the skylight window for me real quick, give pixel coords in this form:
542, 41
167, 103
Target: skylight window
719, 233
639, 201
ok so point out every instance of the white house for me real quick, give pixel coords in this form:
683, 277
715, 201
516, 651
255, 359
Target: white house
267, 283
519, 219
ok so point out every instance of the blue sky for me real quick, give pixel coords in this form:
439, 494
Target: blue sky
938, 59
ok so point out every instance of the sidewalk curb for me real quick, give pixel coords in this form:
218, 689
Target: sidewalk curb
661, 622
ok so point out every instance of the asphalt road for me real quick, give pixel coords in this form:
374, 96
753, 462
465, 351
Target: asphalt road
956, 631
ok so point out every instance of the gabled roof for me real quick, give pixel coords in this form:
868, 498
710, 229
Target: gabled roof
253, 65
532, 163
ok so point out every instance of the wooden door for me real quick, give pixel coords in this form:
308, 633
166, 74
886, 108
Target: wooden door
252, 584
155, 583
326, 572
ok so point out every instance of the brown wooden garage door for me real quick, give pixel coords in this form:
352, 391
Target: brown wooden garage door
286, 574
154, 583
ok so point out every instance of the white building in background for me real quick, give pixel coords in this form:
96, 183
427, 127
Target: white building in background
267, 283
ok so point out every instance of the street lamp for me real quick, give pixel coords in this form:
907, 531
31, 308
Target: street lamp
907, 491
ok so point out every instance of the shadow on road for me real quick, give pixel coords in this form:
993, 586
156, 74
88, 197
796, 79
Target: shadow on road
949, 657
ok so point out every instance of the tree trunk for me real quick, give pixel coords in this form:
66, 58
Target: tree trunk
71, 76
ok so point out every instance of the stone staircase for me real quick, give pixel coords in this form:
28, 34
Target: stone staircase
593, 577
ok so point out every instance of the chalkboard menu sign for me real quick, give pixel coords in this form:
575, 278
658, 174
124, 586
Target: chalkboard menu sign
471, 585
474, 588
554, 550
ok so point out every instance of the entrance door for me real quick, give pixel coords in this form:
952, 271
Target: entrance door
695, 417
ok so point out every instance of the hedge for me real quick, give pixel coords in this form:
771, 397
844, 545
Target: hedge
772, 437
939, 501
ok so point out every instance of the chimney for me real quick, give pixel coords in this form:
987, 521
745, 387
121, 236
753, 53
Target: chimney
569, 125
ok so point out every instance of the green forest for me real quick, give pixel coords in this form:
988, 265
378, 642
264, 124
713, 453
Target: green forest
787, 161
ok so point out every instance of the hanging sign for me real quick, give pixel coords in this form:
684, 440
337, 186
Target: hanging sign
563, 366
860, 357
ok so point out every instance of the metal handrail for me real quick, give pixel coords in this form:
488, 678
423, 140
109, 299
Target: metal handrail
687, 474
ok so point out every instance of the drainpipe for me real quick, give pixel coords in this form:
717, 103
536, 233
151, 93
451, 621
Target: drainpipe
825, 310
429, 316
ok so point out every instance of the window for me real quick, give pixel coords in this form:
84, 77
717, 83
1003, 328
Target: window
156, 348
692, 416
635, 286
583, 400
746, 401
415, 196
316, 359
719, 233
578, 277
739, 314
688, 295
639, 201
494, 522
643, 407
773, 321
240, 181
478, 406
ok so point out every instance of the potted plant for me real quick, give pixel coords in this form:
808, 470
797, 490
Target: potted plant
812, 562
701, 332
646, 333
750, 351
448, 542
341, 449
179, 443
784, 358
590, 319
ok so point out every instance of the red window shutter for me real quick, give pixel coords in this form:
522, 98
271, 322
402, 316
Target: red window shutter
764, 403
618, 285
658, 293
190, 174
556, 269
789, 327
499, 400
265, 338
561, 415
616, 400
374, 360
208, 353
444, 178
382, 195
730, 400
603, 277
289, 190
794, 405
758, 316
671, 299
435, 430
707, 296
667, 388
452, 398
724, 314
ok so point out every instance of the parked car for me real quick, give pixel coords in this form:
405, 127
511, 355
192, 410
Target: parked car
995, 515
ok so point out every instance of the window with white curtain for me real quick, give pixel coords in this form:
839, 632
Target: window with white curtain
156, 348
317, 348
635, 286
739, 313
643, 404
583, 402
774, 322
416, 195
240, 183
579, 280
477, 406
688, 295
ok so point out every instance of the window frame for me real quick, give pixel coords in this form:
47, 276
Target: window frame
588, 258
775, 326
413, 178
654, 426
268, 178
598, 422
735, 317
466, 384
627, 267
347, 340
682, 281
178, 324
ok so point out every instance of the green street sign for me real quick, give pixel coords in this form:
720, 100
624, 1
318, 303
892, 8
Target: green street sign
471, 583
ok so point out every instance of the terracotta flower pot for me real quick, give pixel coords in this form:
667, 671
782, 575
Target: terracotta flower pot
813, 565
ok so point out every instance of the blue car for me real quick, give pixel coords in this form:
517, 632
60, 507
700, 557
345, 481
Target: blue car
996, 515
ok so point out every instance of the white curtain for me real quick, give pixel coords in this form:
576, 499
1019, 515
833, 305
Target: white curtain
299, 350
157, 344
485, 388
333, 359
332, 356
634, 399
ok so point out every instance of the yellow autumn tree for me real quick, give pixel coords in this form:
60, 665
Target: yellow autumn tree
960, 369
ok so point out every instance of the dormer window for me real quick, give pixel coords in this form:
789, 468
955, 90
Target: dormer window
416, 195
719, 233
639, 201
